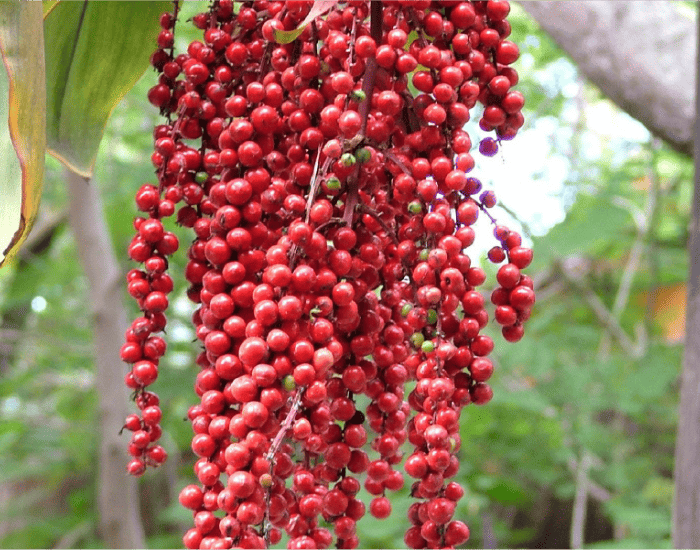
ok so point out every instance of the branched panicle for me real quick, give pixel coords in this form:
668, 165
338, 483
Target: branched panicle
325, 174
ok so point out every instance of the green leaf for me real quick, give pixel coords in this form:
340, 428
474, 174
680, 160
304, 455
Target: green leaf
590, 226
98, 52
22, 138
502, 490
631, 542
48, 6
319, 8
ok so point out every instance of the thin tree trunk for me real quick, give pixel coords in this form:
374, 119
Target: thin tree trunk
119, 519
640, 54
578, 518
686, 510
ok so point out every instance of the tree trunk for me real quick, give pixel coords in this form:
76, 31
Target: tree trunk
640, 54
686, 510
119, 519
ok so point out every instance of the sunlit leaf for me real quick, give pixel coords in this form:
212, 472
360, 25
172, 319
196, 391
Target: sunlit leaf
98, 52
48, 6
319, 8
23, 137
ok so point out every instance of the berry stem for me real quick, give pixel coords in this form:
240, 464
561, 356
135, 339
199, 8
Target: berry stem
270, 457
485, 211
364, 108
286, 425
176, 10
316, 182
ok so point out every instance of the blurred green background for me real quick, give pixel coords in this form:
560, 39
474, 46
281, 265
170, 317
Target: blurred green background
580, 404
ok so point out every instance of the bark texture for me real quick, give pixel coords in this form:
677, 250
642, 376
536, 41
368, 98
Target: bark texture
119, 523
640, 54
686, 509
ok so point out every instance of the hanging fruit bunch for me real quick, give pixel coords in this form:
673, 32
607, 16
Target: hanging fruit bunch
317, 152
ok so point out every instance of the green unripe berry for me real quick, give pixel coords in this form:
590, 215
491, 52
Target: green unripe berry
201, 177
358, 95
289, 383
333, 183
347, 159
417, 339
405, 310
363, 155
423, 256
415, 207
432, 316
266, 481
427, 346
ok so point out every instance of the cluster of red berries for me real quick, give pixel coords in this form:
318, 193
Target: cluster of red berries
150, 288
331, 211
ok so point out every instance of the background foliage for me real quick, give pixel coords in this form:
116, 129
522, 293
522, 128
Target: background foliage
579, 388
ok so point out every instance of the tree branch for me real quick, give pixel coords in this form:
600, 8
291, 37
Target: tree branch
649, 74
604, 316
578, 520
643, 223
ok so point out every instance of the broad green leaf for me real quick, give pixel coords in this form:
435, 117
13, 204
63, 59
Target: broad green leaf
23, 137
319, 8
48, 6
98, 52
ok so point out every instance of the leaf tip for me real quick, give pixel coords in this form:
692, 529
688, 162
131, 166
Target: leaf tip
286, 37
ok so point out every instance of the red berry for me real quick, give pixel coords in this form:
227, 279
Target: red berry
508, 275
136, 467
252, 351
507, 52
349, 123
522, 297
513, 333
145, 372
380, 507
191, 497
481, 393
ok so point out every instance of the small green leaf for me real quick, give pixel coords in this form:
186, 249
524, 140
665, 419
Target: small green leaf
319, 8
98, 52
22, 137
